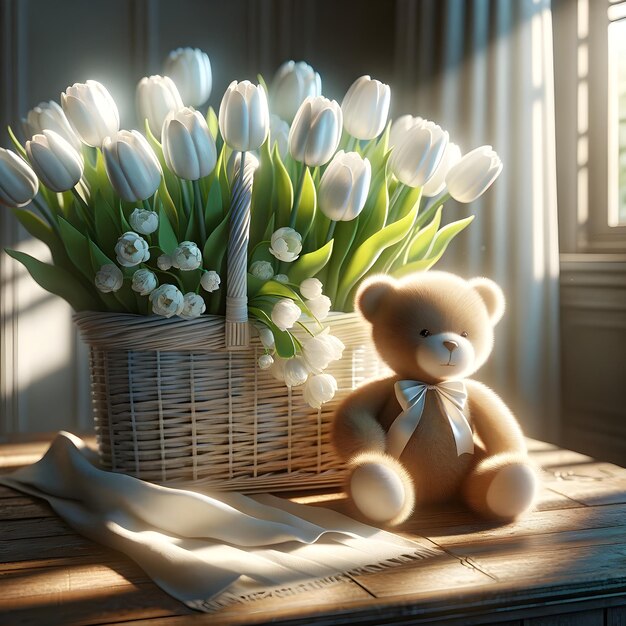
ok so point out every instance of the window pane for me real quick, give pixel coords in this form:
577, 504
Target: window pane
617, 122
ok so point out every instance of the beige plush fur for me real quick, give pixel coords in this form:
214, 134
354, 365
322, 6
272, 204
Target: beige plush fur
497, 481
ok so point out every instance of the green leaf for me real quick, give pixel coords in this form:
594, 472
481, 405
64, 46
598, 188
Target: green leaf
104, 184
344, 236
213, 210
212, 123
283, 340
280, 290
308, 206
437, 248
378, 151
169, 186
368, 252
409, 197
261, 205
308, 265
58, 281
107, 226
282, 192
216, 245
167, 239
15, 141
374, 214
263, 84
77, 247
420, 244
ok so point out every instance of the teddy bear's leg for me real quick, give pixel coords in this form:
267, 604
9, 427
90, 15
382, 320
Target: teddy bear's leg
502, 486
381, 488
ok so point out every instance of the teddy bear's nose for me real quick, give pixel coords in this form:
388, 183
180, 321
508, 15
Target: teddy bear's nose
451, 345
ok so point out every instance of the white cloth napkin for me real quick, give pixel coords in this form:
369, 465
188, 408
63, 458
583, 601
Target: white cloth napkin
207, 550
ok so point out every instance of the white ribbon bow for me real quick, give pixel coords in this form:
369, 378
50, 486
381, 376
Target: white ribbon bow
411, 395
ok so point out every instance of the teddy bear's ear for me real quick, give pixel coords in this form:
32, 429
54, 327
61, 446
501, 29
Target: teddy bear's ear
370, 294
491, 295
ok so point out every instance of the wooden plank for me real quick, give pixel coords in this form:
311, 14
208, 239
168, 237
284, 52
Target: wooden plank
46, 548
12, 530
580, 618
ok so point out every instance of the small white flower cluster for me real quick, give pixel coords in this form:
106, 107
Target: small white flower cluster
318, 351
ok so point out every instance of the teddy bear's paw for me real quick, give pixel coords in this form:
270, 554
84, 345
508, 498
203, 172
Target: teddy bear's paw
381, 489
512, 491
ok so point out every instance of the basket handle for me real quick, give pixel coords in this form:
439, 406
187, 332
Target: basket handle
237, 332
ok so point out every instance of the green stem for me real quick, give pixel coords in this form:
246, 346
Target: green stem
298, 196
400, 188
197, 198
351, 143
84, 209
146, 205
47, 215
331, 230
185, 196
176, 278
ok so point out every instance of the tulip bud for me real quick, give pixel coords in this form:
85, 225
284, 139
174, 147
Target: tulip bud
285, 313
18, 182
400, 126
109, 278
311, 288
244, 116
187, 256
131, 165
164, 262
156, 97
265, 361
416, 158
366, 108
57, 164
279, 135
292, 83
437, 183
344, 186
131, 250
50, 116
316, 131
190, 69
319, 307
286, 244
167, 300
91, 111
262, 270
188, 148
473, 174
144, 221
295, 372
321, 350
144, 282
210, 281
319, 389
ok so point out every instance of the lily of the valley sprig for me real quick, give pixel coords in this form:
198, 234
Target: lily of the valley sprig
138, 222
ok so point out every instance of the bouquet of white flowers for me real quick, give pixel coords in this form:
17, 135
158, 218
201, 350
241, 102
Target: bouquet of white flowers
281, 215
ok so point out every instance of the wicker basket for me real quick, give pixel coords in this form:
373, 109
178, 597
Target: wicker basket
184, 400
173, 404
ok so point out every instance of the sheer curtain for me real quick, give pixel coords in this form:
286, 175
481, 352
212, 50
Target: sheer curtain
483, 70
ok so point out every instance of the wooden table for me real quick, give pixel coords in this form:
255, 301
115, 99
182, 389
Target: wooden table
563, 564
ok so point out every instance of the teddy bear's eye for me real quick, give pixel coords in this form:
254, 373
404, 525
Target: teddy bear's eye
464, 334
424, 332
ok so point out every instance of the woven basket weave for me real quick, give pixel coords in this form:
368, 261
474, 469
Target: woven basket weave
173, 404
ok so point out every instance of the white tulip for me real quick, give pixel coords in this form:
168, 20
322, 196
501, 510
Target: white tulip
319, 307
190, 69
437, 183
277, 369
265, 361
316, 131
109, 278
292, 83
131, 249
473, 174
281, 278
285, 313
18, 182
311, 288
164, 262
50, 116
262, 270
400, 126
234, 164
279, 135
366, 108
319, 389
286, 244
321, 350
144, 221
210, 281
131, 165
188, 147
193, 306
167, 300
344, 186
416, 158
144, 282
91, 111
187, 256
295, 371
156, 97
266, 336
57, 164
244, 116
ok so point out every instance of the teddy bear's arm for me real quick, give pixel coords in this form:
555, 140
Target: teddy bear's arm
493, 420
356, 428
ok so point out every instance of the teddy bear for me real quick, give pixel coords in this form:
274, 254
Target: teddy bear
427, 433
